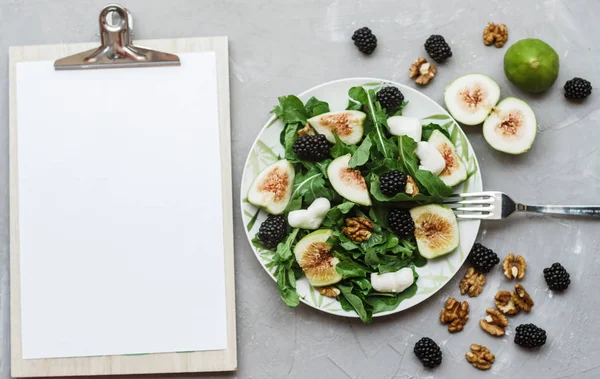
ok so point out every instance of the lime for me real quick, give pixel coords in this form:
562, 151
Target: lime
531, 64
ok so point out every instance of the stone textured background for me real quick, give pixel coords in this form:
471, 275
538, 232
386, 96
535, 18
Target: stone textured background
286, 47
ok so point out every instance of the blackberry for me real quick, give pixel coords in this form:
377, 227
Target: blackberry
365, 40
393, 182
272, 231
390, 97
557, 277
312, 148
428, 352
482, 258
401, 223
437, 48
529, 335
577, 88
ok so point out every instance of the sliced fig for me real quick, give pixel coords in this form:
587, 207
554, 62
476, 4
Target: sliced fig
436, 230
348, 182
348, 125
455, 171
315, 257
470, 98
272, 188
511, 127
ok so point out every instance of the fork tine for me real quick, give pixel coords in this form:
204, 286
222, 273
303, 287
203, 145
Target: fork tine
478, 194
467, 202
488, 208
474, 216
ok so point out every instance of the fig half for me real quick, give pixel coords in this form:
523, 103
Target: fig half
314, 255
436, 230
511, 127
348, 125
455, 171
348, 182
272, 188
470, 98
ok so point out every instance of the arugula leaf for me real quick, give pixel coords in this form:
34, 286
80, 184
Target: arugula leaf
341, 148
311, 186
380, 303
407, 156
375, 113
429, 128
290, 110
362, 154
398, 111
315, 107
335, 216
283, 261
433, 184
287, 138
355, 302
350, 269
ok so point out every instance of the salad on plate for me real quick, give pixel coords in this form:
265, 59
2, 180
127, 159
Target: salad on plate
354, 203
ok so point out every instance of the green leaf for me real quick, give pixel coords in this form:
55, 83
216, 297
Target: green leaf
335, 216
385, 304
315, 107
406, 155
290, 110
252, 220
398, 111
311, 186
433, 185
436, 188
361, 99
437, 117
351, 269
362, 154
287, 138
341, 148
429, 128
355, 302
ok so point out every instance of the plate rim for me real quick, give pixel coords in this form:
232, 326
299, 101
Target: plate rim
274, 118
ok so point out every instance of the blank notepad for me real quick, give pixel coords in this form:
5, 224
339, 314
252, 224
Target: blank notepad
120, 210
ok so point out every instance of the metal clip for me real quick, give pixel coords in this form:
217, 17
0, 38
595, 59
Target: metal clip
116, 49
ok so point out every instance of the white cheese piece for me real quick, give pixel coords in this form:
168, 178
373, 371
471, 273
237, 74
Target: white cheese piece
430, 158
312, 217
393, 281
405, 126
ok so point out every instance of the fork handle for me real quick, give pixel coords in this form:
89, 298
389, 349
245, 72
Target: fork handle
572, 210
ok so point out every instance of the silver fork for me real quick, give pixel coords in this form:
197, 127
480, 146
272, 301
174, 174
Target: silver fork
493, 205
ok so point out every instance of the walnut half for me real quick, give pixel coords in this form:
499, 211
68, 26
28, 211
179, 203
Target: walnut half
422, 70
480, 357
358, 229
494, 323
522, 298
514, 268
456, 314
411, 186
329, 291
496, 34
505, 303
472, 283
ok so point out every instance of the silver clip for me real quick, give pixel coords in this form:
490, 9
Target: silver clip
116, 49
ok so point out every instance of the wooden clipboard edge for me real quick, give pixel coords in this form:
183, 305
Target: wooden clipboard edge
163, 363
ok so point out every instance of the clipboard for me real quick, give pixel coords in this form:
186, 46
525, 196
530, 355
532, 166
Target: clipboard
118, 51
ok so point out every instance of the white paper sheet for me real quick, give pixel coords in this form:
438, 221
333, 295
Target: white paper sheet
120, 216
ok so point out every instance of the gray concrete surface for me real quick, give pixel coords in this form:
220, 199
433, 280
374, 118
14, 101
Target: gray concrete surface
286, 47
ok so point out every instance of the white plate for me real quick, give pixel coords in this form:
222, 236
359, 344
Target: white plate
267, 149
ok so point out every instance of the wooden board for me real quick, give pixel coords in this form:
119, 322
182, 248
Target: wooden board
200, 361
